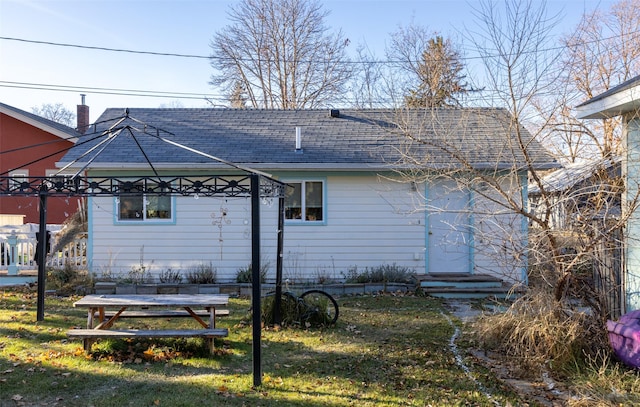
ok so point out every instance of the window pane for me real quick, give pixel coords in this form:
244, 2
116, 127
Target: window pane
130, 207
17, 178
158, 207
313, 201
293, 201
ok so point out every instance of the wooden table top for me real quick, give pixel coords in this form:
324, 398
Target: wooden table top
159, 300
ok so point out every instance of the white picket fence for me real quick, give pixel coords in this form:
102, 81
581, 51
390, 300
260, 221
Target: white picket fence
21, 256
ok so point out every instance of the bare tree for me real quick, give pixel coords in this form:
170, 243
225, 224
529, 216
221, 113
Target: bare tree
562, 263
282, 54
423, 69
521, 65
406, 48
56, 112
172, 104
367, 78
603, 51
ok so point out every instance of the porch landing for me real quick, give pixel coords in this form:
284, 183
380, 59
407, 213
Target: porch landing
23, 277
464, 286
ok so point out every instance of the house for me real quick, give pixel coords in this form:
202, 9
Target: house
580, 203
624, 101
352, 199
30, 146
570, 189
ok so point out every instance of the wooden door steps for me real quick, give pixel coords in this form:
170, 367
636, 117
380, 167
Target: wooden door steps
465, 286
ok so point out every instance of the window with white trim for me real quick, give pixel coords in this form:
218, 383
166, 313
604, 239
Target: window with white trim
141, 207
54, 177
304, 201
17, 178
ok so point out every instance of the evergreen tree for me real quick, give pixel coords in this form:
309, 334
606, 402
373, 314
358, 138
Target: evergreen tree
440, 77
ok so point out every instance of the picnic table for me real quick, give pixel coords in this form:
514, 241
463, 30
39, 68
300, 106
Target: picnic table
104, 310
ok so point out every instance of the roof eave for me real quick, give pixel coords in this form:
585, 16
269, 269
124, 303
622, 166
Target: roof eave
291, 166
616, 104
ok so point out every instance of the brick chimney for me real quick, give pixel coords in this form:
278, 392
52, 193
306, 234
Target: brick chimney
83, 116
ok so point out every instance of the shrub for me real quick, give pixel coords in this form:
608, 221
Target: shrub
385, 273
312, 309
245, 274
323, 276
289, 310
137, 275
170, 276
203, 273
68, 279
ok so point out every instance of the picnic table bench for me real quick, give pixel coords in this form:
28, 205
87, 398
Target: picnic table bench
152, 306
89, 336
174, 313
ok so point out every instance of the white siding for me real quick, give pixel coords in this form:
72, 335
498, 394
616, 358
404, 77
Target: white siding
500, 234
631, 168
368, 223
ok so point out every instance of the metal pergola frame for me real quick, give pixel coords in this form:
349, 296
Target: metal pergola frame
255, 186
246, 183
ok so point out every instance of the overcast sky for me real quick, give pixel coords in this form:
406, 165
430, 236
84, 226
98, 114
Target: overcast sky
176, 27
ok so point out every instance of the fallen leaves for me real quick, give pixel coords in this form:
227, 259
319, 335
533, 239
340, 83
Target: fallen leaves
224, 391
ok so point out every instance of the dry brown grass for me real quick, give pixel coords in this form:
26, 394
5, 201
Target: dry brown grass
605, 383
539, 334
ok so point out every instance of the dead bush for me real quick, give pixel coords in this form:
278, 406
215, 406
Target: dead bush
540, 334
68, 280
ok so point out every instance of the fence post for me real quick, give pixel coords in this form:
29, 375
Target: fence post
12, 239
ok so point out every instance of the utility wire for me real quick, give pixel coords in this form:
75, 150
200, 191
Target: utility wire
469, 98
60, 44
192, 95
213, 57
107, 91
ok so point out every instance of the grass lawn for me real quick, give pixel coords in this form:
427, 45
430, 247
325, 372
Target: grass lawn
384, 351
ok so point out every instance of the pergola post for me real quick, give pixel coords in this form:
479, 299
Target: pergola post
255, 279
42, 252
277, 313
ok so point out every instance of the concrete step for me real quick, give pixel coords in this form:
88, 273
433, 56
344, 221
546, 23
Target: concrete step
470, 293
464, 286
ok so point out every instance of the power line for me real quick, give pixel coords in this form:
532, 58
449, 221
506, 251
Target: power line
111, 91
161, 94
60, 44
212, 57
490, 98
469, 98
192, 95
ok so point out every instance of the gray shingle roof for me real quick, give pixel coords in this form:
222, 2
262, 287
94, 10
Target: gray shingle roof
266, 138
572, 174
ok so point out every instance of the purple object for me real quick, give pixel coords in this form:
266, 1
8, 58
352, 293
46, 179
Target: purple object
624, 337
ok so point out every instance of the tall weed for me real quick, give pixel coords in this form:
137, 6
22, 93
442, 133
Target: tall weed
203, 273
538, 333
